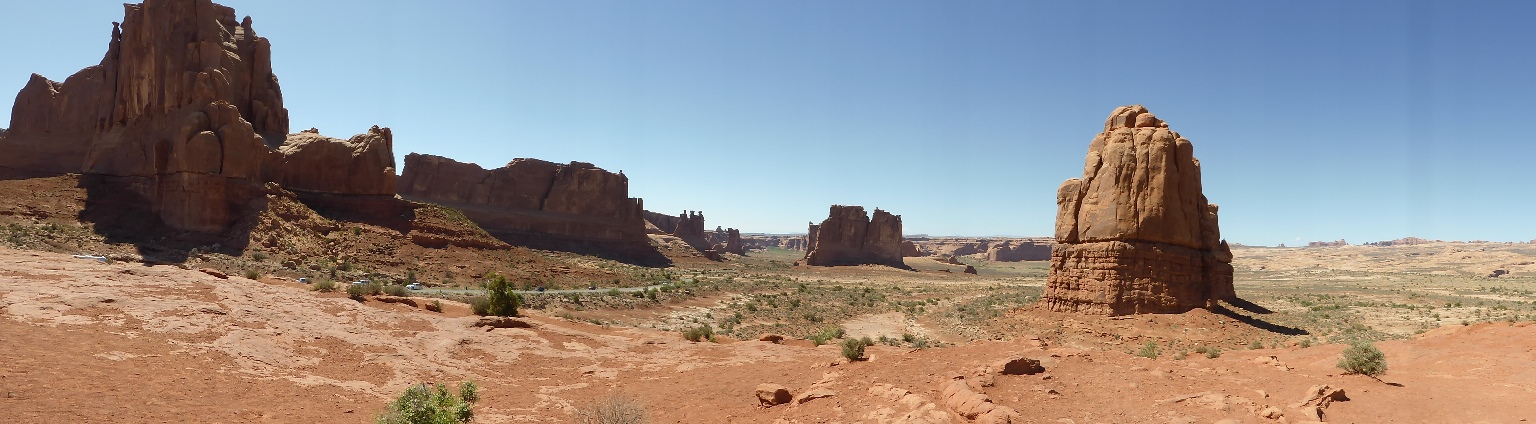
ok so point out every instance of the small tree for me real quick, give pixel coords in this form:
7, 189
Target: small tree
424, 404
1148, 350
502, 300
1362, 357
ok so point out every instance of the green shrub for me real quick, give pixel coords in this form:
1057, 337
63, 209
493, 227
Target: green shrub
1213, 353
435, 306
700, 333
853, 349
480, 305
501, 300
1305, 343
259, 256
252, 274
1363, 358
323, 286
394, 290
1256, 345
357, 292
1148, 350
423, 404
615, 409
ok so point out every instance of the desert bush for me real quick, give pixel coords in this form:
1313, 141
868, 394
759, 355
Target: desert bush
259, 256
323, 286
853, 349
424, 404
435, 306
500, 299
1256, 345
1362, 357
394, 290
700, 333
614, 409
1213, 353
480, 305
252, 274
357, 292
1148, 350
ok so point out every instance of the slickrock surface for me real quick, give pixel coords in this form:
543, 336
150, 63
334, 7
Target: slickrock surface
1135, 234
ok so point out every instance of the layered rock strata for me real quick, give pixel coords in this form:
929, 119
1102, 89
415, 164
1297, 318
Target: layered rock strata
1135, 234
849, 236
535, 203
177, 122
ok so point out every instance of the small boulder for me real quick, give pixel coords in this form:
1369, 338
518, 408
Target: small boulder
214, 272
1017, 366
771, 338
769, 394
970, 270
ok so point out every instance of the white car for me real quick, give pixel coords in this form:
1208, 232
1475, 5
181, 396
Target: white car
414, 286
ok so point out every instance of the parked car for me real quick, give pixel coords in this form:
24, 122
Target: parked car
304, 280
414, 286
592, 287
541, 288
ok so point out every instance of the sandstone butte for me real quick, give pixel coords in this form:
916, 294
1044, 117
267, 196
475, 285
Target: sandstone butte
575, 206
183, 119
1135, 234
849, 236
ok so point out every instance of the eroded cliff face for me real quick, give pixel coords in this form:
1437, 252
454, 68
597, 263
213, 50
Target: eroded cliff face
179, 119
361, 165
1135, 234
849, 236
534, 202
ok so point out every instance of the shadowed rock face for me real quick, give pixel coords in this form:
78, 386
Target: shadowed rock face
180, 116
1135, 234
850, 237
534, 202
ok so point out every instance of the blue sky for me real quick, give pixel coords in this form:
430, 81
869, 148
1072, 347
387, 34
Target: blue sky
1313, 120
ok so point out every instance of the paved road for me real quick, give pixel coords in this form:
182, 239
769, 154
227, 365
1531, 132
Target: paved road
598, 290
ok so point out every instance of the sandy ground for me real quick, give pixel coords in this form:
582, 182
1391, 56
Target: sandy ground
85, 341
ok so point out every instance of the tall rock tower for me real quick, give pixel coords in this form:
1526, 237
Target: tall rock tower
1135, 234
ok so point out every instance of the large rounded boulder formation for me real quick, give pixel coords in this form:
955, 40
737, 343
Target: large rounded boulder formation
850, 237
1135, 234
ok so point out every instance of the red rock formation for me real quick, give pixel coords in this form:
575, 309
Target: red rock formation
178, 112
574, 206
850, 237
733, 242
1015, 250
1135, 234
362, 165
909, 249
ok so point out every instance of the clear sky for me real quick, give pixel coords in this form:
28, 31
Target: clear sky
1313, 120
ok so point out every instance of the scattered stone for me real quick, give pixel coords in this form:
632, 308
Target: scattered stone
1272, 413
214, 272
769, 394
1271, 361
1135, 234
772, 338
814, 393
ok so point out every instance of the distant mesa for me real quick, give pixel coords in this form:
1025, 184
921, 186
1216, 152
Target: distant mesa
1406, 241
689, 227
1336, 243
849, 236
529, 202
991, 249
1135, 234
